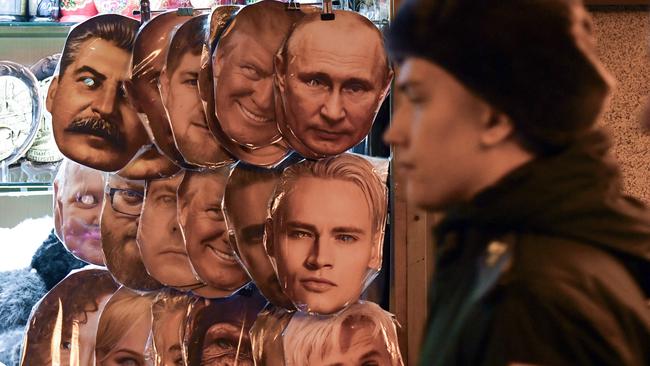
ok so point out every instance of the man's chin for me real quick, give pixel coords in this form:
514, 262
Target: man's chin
271, 289
181, 279
90, 253
107, 160
149, 167
209, 154
329, 148
320, 306
251, 134
226, 287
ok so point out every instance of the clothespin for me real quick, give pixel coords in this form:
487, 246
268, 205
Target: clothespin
145, 11
293, 5
327, 13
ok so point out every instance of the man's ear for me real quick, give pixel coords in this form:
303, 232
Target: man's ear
278, 62
51, 93
497, 128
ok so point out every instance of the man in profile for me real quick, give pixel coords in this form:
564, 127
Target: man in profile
78, 196
119, 227
246, 205
542, 259
93, 122
325, 257
333, 77
159, 158
149, 52
204, 229
180, 96
159, 236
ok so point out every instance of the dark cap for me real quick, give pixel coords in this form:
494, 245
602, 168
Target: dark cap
534, 60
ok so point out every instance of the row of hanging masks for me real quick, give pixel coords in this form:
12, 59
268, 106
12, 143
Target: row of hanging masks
207, 182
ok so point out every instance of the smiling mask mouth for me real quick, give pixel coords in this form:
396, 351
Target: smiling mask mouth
226, 256
253, 116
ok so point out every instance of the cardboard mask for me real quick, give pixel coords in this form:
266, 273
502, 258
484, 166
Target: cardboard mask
93, 122
224, 87
63, 324
149, 53
217, 331
78, 196
180, 96
266, 336
204, 230
363, 333
124, 329
159, 237
325, 232
169, 311
119, 223
331, 78
245, 206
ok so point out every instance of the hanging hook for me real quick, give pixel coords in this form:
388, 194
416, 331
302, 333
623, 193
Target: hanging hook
145, 11
327, 13
293, 5
179, 12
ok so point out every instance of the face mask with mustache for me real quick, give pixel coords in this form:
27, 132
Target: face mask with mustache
99, 127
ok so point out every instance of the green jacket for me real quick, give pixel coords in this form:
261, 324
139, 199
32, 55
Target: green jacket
550, 266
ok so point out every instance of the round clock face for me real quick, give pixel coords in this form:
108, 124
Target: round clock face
20, 110
44, 149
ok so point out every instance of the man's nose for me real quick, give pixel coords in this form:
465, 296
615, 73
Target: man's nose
105, 102
174, 227
398, 133
263, 96
333, 109
320, 255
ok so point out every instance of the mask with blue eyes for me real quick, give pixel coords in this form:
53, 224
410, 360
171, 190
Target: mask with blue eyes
324, 235
78, 197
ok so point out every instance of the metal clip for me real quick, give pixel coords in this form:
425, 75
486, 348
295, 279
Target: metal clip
145, 11
293, 5
327, 12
